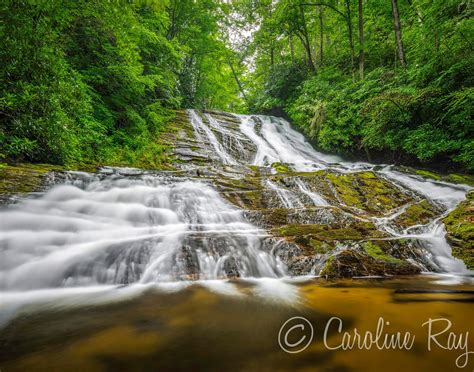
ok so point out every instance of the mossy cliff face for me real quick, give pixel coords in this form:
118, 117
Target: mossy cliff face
460, 230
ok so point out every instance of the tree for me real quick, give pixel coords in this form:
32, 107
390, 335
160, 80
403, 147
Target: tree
398, 32
361, 40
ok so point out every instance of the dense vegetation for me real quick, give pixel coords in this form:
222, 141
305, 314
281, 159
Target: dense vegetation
379, 78
94, 81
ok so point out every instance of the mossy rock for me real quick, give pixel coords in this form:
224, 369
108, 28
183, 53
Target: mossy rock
23, 178
246, 192
355, 231
276, 217
376, 252
368, 192
465, 179
459, 178
428, 174
310, 238
321, 247
280, 168
460, 230
353, 263
417, 214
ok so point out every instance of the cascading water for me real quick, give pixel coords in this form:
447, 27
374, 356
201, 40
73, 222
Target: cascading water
317, 199
277, 142
126, 226
201, 129
121, 230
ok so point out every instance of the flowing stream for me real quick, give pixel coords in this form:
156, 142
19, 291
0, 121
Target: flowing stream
124, 226
169, 244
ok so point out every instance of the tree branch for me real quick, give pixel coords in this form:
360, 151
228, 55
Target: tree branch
328, 6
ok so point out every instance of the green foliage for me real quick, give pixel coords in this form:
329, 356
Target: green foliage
96, 81
421, 112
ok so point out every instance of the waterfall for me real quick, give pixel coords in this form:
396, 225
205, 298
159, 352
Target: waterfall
317, 199
123, 226
200, 129
128, 229
288, 199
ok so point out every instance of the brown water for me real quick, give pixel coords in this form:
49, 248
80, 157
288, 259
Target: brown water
235, 326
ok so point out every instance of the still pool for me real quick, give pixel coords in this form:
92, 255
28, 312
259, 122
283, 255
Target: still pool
237, 325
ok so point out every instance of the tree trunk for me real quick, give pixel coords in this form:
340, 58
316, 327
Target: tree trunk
351, 38
398, 33
361, 42
292, 48
272, 57
306, 43
237, 80
321, 35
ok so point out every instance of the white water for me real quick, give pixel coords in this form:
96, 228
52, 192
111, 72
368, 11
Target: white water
204, 134
129, 227
121, 230
288, 199
317, 199
278, 142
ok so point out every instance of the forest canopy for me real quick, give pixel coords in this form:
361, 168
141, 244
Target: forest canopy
383, 79
97, 81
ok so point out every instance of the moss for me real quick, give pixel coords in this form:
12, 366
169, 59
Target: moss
321, 247
246, 192
460, 230
345, 190
280, 168
351, 263
419, 213
246, 183
466, 179
355, 231
366, 191
428, 174
376, 252
276, 216
315, 238
23, 178
460, 178
328, 269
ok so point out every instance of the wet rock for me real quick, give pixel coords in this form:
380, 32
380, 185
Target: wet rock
356, 263
21, 179
231, 269
187, 263
418, 214
368, 192
276, 217
460, 230
301, 265
355, 230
